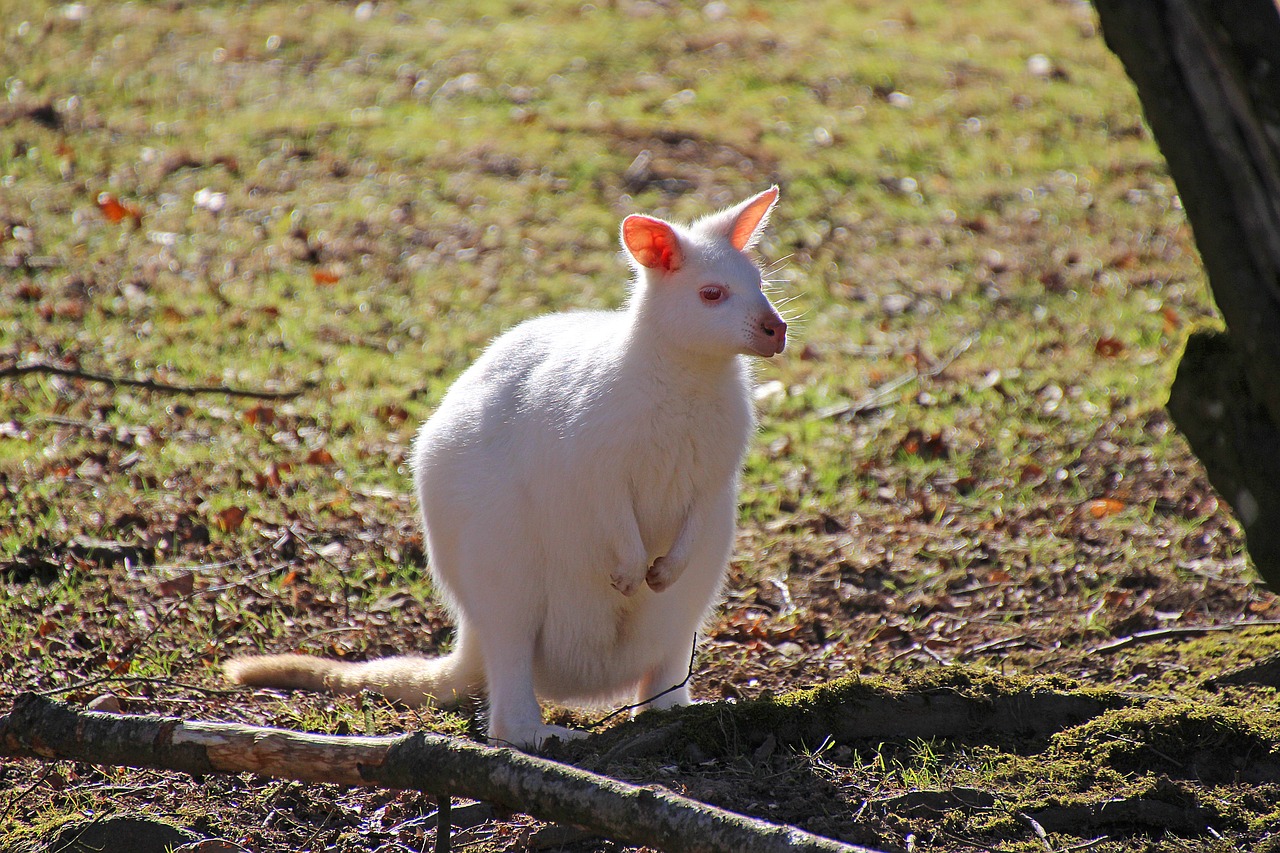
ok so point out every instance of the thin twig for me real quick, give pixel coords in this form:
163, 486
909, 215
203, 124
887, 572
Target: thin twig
1085, 845
21, 795
693, 653
997, 645
878, 396
1166, 633
1038, 830
1166, 756
342, 573
170, 682
206, 567
44, 367
130, 654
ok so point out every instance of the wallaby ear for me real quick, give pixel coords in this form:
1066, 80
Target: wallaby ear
652, 242
742, 225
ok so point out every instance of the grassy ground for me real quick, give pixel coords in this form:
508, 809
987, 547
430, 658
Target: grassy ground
963, 458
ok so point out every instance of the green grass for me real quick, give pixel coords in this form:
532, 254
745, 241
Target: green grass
401, 186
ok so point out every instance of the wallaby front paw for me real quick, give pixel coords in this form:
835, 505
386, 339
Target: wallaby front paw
663, 573
626, 581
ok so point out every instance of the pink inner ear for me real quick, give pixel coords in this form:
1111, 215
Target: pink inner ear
652, 243
748, 222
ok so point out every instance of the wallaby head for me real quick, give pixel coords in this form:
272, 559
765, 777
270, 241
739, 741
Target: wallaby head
697, 289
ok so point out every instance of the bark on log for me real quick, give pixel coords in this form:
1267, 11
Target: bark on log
1209, 81
40, 728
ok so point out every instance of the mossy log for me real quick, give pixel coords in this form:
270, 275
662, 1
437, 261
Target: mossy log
1264, 672
954, 702
40, 728
1207, 76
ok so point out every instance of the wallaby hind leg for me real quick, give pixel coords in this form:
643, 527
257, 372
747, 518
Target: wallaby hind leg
515, 715
667, 684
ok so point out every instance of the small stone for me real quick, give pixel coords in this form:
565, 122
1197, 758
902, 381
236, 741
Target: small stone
1039, 65
108, 703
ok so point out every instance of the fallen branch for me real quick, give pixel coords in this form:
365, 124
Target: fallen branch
44, 367
441, 766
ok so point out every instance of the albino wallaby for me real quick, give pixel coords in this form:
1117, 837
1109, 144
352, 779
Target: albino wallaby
578, 486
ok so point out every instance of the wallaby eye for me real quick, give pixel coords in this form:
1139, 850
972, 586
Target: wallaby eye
712, 293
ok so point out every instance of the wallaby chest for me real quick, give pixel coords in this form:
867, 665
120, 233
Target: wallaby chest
678, 454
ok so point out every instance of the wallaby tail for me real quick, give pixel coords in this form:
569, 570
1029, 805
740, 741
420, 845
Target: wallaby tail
443, 681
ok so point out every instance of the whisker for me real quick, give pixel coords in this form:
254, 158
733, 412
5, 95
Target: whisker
777, 265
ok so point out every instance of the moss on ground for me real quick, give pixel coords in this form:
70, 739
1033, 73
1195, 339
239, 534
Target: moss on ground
1180, 738
399, 181
1140, 762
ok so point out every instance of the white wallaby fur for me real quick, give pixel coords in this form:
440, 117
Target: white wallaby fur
578, 486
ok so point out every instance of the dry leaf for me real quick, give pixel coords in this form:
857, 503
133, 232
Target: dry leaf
810, 353
1116, 597
392, 414
69, 309
1124, 261
177, 586
1108, 347
925, 445
1103, 507
230, 519
117, 211
888, 633
271, 478
320, 456
264, 415
63, 309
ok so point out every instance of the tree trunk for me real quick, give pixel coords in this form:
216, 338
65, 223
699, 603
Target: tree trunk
1208, 75
40, 728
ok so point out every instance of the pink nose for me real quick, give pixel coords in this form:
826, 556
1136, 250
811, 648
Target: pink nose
775, 327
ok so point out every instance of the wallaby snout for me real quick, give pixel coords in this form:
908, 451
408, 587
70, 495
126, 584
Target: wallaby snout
773, 335
775, 325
